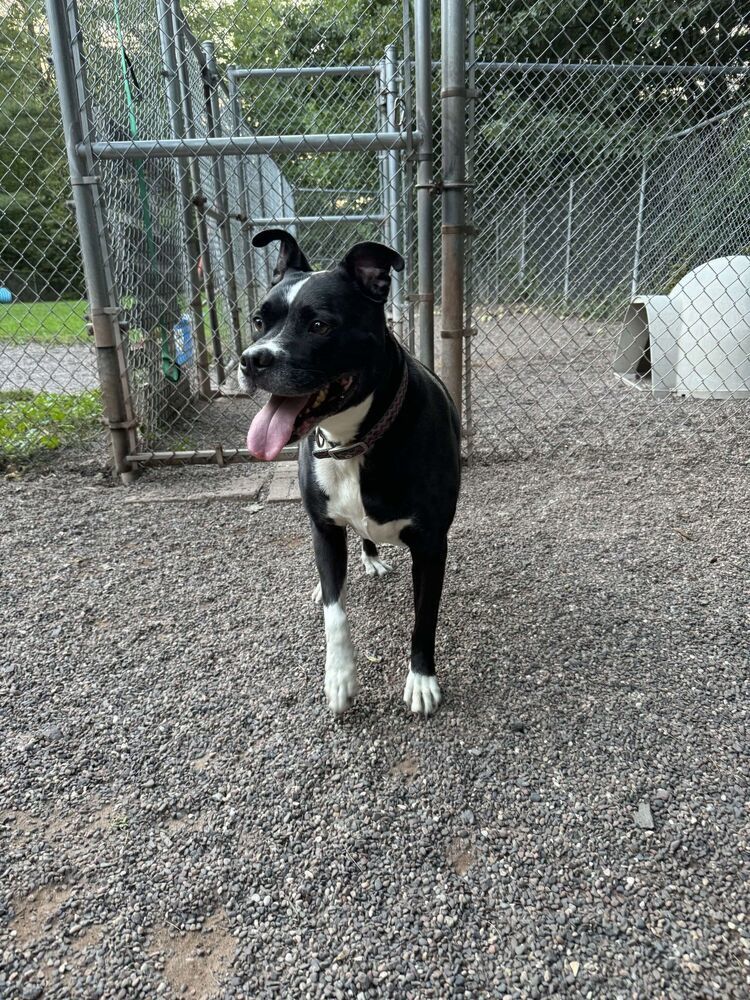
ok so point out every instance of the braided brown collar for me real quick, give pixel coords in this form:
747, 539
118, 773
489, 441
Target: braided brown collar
325, 450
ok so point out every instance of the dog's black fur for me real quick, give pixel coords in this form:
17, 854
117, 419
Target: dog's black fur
307, 337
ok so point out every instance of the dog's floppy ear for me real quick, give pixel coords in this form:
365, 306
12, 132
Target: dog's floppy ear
369, 265
290, 256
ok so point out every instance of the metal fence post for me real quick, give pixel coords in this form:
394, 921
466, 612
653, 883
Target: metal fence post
199, 199
470, 283
568, 240
65, 39
406, 97
380, 125
222, 201
390, 67
167, 38
453, 103
425, 190
639, 230
247, 253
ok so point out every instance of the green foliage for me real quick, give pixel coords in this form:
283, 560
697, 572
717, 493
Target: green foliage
44, 322
38, 243
33, 423
575, 123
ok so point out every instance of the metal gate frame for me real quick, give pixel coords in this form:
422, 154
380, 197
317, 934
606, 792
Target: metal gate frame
85, 150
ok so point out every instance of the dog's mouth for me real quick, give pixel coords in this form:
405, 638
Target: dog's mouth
289, 418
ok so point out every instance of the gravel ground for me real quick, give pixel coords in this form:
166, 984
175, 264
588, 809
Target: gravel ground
542, 382
179, 816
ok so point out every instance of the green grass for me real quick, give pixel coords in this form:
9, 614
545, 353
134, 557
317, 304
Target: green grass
36, 423
44, 322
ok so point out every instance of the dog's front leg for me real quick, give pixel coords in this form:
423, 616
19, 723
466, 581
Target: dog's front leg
341, 685
422, 691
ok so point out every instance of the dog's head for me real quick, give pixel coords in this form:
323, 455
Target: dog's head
316, 336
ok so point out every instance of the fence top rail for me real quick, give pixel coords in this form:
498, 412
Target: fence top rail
309, 220
274, 72
149, 149
742, 106
565, 68
617, 69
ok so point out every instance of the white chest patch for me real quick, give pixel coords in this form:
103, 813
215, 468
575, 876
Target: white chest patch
339, 480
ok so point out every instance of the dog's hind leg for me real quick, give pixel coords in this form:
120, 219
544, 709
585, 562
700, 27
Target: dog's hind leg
422, 691
374, 566
329, 542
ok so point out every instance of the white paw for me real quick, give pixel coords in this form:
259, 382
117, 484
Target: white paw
341, 686
374, 566
422, 693
317, 594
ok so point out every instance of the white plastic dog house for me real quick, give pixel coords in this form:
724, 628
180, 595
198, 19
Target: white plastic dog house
694, 341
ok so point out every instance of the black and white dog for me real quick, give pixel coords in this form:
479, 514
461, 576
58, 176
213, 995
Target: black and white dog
380, 440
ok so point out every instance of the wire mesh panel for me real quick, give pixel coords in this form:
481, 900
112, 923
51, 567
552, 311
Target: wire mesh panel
48, 379
169, 232
610, 157
164, 98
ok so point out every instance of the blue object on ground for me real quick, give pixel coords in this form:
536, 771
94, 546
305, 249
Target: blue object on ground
183, 341
6, 296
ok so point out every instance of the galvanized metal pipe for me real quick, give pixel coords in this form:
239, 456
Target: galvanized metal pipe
453, 104
284, 72
613, 69
75, 109
706, 121
568, 240
471, 34
168, 30
565, 68
213, 112
184, 45
406, 90
247, 252
244, 145
390, 81
290, 220
423, 143
639, 230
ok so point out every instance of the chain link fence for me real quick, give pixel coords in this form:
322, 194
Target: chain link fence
608, 157
321, 85
611, 157
48, 379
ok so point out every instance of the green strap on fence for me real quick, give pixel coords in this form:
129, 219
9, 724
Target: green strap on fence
170, 368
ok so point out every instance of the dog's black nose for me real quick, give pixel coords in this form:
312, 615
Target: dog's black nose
256, 359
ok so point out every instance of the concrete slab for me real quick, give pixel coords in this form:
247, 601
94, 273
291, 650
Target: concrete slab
285, 484
246, 489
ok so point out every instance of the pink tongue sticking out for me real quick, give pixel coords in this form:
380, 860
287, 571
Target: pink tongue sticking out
273, 426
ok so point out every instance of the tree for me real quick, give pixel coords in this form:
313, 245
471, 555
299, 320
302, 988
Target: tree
38, 244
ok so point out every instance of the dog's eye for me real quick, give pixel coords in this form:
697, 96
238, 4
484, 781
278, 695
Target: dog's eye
318, 326
258, 324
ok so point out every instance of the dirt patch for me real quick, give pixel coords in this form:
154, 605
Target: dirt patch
460, 856
35, 911
88, 937
194, 963
201, 763
18, 823
407, 768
